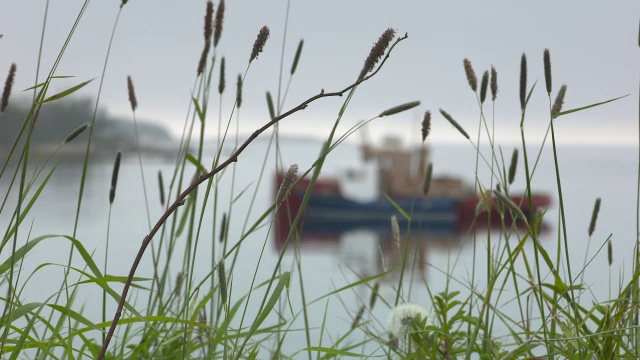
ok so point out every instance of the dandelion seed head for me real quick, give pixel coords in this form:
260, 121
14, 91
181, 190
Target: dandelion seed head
400, 322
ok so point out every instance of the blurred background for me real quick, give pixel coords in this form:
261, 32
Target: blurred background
594, 50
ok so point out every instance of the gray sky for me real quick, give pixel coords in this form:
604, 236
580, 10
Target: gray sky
593, 44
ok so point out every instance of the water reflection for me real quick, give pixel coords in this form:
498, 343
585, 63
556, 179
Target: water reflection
373, 250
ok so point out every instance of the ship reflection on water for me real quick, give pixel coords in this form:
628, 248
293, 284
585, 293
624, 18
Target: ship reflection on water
373, 249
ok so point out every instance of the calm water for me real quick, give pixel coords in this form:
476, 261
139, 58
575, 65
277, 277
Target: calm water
586, 172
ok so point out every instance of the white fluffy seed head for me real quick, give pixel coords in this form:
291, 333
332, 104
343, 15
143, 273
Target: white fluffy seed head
400, 321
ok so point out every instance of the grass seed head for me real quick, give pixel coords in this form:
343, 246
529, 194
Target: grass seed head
426, 125
124, 2
223, 227
221, 84
557, 104
202, 64
358, 318
161, 187
222, 280
610, 252
547, 70
8, 84
513, 166
239, 90
523, 82
395, 230
400, 108
594, 216
494, 83
377, 51
114, 177
179, 281
471, 75
454, 123
483, 86
296, 58
208, 21
374, 295
132, 94
507, 201
258, 45
272, 111
427, 179
76, 132
219, 21
208, 31
287, 184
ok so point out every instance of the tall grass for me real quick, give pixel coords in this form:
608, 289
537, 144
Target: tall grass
178, 313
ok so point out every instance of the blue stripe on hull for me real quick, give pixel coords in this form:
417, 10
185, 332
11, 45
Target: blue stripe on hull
331, 213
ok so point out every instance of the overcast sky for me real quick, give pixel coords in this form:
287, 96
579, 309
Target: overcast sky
593, 44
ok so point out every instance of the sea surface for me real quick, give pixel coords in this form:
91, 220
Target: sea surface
586, 173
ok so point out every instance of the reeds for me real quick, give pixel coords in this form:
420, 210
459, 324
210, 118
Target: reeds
287, 184
222, 280
221, 81
161, 188
377, 51
114, 177
358, 318
512, 206
557, 104
523, 82
261, 41
296, 58
272, 111
374, 295
594, 216
8, 84
75, 133
223, 228
427, 179
483, 86
547, 70
494, 83
513, 165
426, 125
455, 124
471, 75
239, 91
218, 24
395, 230
208, 31
400, 108
132, 94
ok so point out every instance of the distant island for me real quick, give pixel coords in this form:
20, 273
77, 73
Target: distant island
110, 134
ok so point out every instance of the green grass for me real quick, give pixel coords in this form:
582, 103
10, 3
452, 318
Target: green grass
177, 314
